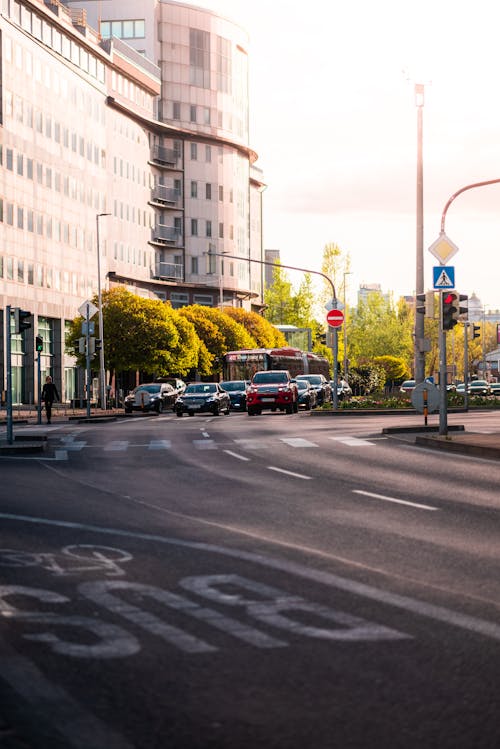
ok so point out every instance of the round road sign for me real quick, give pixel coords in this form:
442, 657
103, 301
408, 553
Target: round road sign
425, 393
335, 318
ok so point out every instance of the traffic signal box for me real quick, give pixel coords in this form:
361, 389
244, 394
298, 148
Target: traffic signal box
22, 320
39, 343
451, 309
476, 331
425, 304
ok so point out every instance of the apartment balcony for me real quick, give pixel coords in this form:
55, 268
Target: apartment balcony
161, 195
164, 234
169, 271
167, 157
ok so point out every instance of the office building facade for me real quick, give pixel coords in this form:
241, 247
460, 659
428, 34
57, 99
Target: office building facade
92, 172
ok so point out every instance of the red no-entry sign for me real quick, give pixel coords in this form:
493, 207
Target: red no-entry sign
335, 318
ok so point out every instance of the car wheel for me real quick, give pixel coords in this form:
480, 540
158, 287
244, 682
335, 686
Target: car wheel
179, 413
308, 405
216, 410
128, 410
159, 408
295, 407
190, 413
250, 411
227, 411
289, 409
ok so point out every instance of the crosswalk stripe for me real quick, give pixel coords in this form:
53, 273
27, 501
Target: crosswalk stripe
205, 444
116, 446
297, 442
351, 441
159, 445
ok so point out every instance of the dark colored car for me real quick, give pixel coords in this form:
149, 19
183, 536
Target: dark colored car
178, 385
343, 389
237, 390
152, 396
272, 389
320, 384
307, 395
495, 388
203, 397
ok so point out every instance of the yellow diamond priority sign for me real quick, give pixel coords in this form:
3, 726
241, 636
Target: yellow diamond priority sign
443, 248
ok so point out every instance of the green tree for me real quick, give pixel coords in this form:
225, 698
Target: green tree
394, 367
376, 328
279, 299
140, 334
219, 332
264, 333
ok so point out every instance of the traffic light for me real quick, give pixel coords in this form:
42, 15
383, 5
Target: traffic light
21, 320
476, 331
420, 308
39, 343
451, 309
98, 344
426, 306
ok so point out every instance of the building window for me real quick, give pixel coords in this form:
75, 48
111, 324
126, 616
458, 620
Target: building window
194, 189
178, 299
223, 65
199, 58
209, 229
208, 191
129, 29
205, 300
221, 193
208, 154
206, 115
194, 265
221, 231
176, 114
194, 151
192, 113
194, 227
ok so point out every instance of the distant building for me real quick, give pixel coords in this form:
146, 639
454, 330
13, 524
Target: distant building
366, 289
270, 256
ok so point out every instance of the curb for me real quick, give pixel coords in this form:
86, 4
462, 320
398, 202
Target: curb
446, 445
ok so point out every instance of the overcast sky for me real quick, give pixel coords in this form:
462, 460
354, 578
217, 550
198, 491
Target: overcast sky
333, 118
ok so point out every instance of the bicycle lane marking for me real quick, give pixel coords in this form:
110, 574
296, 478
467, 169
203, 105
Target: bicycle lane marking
421, 608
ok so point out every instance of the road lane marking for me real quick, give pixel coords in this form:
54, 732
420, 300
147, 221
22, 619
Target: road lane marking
252, 444
236, 455
297, 442
393, 499
289, 473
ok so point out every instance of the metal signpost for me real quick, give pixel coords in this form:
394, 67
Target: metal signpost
335, 318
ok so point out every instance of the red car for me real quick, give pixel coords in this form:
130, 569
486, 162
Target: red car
272, 389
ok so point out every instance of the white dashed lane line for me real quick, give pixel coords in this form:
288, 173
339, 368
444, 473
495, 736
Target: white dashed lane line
384, 498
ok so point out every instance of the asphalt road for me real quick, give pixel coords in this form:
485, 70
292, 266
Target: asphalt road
278, 581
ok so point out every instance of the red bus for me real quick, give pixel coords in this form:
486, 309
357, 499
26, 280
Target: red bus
241, 365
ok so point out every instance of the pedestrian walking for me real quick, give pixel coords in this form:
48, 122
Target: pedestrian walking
49, 395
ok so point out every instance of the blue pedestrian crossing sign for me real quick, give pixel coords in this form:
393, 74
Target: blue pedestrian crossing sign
443, 276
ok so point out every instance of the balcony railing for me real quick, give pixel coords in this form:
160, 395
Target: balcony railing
164, 194
166, 156
167, 234
170, 271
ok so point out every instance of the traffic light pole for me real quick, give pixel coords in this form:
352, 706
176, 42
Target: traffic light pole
39, 375
443, 413
10, 436
466, 365
87, 358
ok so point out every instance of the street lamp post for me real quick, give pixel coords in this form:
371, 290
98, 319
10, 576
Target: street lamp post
419, 279
102, 374
346, 273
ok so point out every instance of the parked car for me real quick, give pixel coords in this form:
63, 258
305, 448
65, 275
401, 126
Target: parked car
479, 387
151, 396
320, 384
237, 390
307, 395
460, 389
272, 389
178, 385
407, 387
203, 397
495, 388
343, 389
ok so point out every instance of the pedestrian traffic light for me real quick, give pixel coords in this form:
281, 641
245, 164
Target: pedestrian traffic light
98, 344
39, 343
451, 309
476, 331
21, 320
